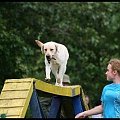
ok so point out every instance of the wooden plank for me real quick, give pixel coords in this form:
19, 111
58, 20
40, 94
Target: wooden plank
13, 116
13, 94
58, 90
10, 111
15, 86
11, 103
19, 80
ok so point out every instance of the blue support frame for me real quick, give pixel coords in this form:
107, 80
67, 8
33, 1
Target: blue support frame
35, 106
77, 105
55, 107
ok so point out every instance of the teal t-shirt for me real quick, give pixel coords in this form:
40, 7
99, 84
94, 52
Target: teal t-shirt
111, 101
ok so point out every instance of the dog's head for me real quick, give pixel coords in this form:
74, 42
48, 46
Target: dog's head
48, 48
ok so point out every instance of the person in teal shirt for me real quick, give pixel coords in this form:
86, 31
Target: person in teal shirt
110, 98
111, 101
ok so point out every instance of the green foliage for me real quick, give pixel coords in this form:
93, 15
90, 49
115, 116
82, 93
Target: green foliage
89, 30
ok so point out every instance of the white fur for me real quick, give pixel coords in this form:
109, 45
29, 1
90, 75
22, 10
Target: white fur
58, 57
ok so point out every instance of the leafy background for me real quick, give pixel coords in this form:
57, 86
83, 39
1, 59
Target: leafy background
90, 31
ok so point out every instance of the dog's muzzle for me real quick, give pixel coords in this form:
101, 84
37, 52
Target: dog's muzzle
48, 58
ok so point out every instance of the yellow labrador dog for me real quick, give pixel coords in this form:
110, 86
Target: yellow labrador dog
56, 57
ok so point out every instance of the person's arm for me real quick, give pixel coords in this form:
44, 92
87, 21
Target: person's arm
93, 111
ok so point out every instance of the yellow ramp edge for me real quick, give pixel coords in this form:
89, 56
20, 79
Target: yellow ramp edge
84, 101
69, 91
15, 97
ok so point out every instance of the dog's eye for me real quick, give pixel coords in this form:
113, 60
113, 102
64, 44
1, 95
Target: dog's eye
45, 49
51, 49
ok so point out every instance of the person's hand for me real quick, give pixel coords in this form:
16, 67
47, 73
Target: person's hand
80, 115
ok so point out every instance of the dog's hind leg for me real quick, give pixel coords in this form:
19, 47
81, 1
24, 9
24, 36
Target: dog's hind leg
55, 69
61, 73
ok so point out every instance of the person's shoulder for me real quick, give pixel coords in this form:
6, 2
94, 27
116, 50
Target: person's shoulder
108, 85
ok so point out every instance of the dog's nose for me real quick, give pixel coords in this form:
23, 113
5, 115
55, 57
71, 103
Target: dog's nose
48, 56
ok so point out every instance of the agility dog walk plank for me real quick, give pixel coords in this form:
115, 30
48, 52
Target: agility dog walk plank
15, 97
69, 91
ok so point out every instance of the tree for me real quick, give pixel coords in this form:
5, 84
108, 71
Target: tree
90, 30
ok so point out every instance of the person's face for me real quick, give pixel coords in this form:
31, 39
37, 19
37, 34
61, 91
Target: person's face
110, 73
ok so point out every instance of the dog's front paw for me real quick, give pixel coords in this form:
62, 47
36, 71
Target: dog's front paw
61, 85
47, 80
58, 84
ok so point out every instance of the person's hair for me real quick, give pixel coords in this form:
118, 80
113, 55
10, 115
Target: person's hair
115, 65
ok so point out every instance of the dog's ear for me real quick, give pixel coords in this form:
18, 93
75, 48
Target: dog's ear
56, 47
40, 44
